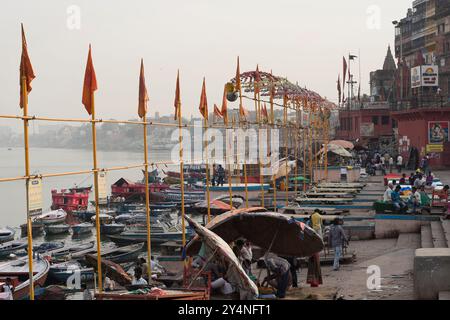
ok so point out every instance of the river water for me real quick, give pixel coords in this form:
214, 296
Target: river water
44, 160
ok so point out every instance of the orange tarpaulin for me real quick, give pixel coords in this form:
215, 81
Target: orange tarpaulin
26, 69
90, 83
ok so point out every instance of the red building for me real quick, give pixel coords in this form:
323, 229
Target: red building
70, 200
134, 190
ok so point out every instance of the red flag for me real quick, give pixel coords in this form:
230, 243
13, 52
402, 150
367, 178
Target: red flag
257, 80
26, 69
203, 102
90, 83
339, 87
177, 102
224, 111
238, 76
143, 95
217, 111
264, 112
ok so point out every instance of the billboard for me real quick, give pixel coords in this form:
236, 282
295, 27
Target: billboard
425, 76
437, 132
34, 197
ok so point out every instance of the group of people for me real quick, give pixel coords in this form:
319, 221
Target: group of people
384, 162
218, 177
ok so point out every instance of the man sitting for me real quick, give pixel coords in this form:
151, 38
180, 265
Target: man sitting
414, 201
387, 197
399, 205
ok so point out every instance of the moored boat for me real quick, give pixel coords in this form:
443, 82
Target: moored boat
82, 228
52, 217
61, 272
113, 228
8, 248
125, 254
18, 272
52, 229
104, 218
7, 234
37, 228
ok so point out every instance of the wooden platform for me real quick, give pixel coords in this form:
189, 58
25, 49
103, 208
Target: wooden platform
324, 200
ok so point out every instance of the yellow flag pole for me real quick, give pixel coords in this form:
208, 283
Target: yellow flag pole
180, 140
286, 150
147, 202
327, 137
296, 151
245, 151
310, 150
230, 187
305, 133
261, 177
97, 209
27, 173
208, 199
272, 120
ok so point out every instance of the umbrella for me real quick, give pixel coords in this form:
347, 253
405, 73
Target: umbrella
300, 178
235, 274
272, 231
337, 150
282, 170
342, 143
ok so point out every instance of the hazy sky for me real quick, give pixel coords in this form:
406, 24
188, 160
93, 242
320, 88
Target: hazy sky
302, 40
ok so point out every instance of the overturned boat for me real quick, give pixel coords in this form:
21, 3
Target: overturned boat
52, 217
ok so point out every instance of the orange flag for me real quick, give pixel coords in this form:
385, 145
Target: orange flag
90, 83
257, 80
224, 111
217, 111
26, 69
264, 112
204, 102
238, 76
177, 102
143, 95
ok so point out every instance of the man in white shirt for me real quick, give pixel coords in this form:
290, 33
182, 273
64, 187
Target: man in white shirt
399, 163
138, 280
414, 200
387, 197
8, 290
391, 164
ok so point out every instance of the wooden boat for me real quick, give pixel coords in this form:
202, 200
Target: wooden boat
114, 270
70, 250
82, 228
8, 248
52, 217
7, 234
104, 218
52, 229
113, 228
124, 254
61, 272
216, 207
323, 200
48, 246
17, 271
37, 228
168, 294
174, 195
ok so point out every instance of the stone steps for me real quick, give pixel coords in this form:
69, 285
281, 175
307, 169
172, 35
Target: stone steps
437, 233
426, 237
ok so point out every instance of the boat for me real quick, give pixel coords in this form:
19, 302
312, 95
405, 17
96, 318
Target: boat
174, 195
37, 228
7, 234
82, 228
52, 229
73, 199
52, 217
104, 218
125, 190
68, 251
48, 246
18, 272
125, 254
61, 272
10, 247
113, 228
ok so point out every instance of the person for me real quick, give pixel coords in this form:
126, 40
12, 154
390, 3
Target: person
246, 255
424, 163
137, 279
387, 197
399, 163
424, 198
398, 203
87, 295
8, 290
391, 164
238, 245
316, 221
336, 241
220, 175
414, 200
218, 269
155, 266
214, 175
411, 179
278, 269
314, 275
420, 181
403, 179
294, 266
108, 284
382, 160
429, 179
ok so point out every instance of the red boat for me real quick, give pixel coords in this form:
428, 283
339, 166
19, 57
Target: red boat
134, 191
72, 199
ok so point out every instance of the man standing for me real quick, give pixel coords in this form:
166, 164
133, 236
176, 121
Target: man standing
399, 163
220, 175
391, 164
337, 240
316, 222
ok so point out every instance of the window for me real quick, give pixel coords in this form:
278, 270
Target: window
375, 120
385, 120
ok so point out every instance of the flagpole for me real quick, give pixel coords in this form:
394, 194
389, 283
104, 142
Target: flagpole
230, 187
286, 150
27, 174
272, 120
147, 201
296, 151
327, 137
180, 140
305, 133
261, 177
208, 199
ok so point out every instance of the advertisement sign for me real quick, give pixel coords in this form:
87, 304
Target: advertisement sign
437, 132
435, 148
34, 197
102, 188
425, 76
367, 129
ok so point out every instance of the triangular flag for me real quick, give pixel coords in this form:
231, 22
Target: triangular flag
257, 80
177, 102
26, 69
264, 112
143, 95
224, 111
238, 76
203, 102
217, 111
90, 83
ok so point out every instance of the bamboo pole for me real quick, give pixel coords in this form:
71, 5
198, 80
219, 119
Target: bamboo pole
208, 198
305, 134
180, 140
227, 158
296, 152
327, 138
261, 177
272, 120
147, 204
97, 209
27, 173
245, 153
286, 149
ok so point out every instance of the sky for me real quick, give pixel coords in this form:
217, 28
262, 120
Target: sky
298, 39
